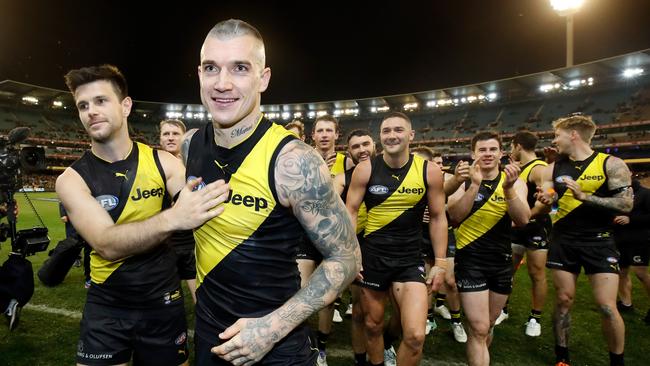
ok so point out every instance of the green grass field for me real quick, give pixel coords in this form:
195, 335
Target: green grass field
43, 338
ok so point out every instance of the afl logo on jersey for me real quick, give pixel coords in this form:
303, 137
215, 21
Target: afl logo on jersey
561, 178
479, 197
107, 201
378, 189
200, 186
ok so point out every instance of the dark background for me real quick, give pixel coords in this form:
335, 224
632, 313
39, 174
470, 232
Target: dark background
317, 50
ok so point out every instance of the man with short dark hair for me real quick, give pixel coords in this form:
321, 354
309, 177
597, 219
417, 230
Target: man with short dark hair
396, 186
115, 196
484, 210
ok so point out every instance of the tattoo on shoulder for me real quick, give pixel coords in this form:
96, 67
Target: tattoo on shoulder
185, 145
303, 180
618, 173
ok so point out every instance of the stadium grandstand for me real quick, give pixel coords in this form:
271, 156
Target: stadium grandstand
615, 91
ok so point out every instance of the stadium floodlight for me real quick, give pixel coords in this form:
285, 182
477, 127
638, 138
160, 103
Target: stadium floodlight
383, 109
492, 96
57, 103
297, 115
410, 106
321, 113
632, 72
209, 116
567, 8
431, 103
471, 99
311, 114
286, 115
188, 115
31, 100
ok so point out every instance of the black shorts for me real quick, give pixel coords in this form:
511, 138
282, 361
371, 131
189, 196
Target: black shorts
533, 236
307, 251
598, 256
473, 275
380, 272
427, 248
111, 336
186, 263
634, 255
298, 348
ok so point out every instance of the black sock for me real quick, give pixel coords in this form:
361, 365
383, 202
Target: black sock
561, 354
360, 359
337, 302
616, 360
535, 314
430, 314
505, 308
455, 316
322, 340
388, 339
440, 299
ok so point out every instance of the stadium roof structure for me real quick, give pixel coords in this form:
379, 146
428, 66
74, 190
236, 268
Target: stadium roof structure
599, 72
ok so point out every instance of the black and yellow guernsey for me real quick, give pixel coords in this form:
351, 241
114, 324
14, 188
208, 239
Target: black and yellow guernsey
131, 190
246, 256
575, 218
485, 232
395, 200
362, 216
532, 189
339, 165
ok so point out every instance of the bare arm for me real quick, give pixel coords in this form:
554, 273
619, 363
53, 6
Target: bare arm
516, 191
537, 177
339, 183
357, 189
303, 183
619, 181
460, 203
437, 225
461, 174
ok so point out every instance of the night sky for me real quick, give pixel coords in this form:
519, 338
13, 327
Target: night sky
317, 50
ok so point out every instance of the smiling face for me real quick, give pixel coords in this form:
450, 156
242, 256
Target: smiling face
487, 154
361, 148
101, 111
232, 78
395, 135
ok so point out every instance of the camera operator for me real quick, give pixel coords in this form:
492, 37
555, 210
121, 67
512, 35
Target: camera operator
16, 280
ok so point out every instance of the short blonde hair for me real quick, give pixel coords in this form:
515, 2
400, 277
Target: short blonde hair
583, 125
297, 125
175, 122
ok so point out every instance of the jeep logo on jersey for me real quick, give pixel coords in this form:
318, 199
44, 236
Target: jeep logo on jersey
479, 197
200, 186
561, 178
153, 192
496, 198
378, 189
248, 201
107, 201
411, 190
592, 177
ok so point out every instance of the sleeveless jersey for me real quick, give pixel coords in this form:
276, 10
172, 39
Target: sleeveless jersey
339, 165
130, 190
245, 257
525, 175
362, 216
486, 230
575, 218
395, 199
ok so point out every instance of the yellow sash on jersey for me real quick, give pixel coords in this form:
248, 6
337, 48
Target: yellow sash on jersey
395, 205
482, 220
145, 200
591, 179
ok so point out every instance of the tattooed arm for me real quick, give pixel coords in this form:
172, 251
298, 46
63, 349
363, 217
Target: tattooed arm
619, 181
303, 183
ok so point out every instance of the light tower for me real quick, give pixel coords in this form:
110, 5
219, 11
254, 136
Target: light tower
566, 8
